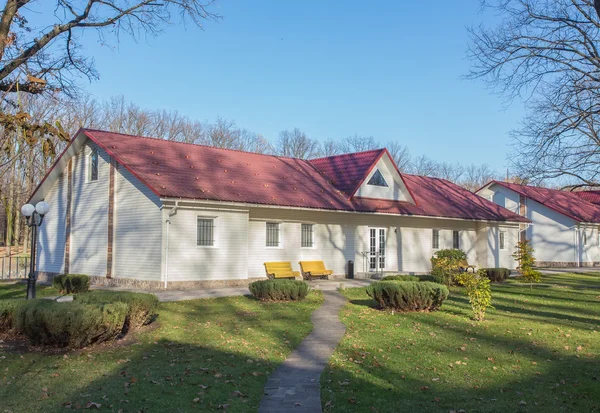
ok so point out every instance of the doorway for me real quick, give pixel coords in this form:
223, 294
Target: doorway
377, 242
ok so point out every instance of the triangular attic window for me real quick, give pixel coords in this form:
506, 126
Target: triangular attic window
377, 179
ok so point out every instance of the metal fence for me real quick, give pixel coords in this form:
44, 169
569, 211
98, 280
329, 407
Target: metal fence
14, 267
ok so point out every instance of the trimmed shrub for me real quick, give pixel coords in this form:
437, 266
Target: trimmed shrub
408, 295
498, 275
141, 308
445, 265
279, 290
71, 324
71, 283
400, 277
8, 308
478, 290
426, 277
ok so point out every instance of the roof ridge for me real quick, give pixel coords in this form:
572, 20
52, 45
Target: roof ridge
346, 154
192, 144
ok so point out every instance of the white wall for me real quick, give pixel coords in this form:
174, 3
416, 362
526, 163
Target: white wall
552, 234
488, 245
502, 196
137, 242
340, 237
52, 233
395, 190
89, 214
227, 260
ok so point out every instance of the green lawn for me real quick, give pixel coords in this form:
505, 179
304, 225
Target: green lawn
205, 355
538, 351
10, 289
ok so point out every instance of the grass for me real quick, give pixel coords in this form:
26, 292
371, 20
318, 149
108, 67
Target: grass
537, 351
11, 289
205, 355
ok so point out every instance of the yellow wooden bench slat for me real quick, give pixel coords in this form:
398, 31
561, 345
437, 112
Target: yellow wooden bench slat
464, 264
280, 269
315, 269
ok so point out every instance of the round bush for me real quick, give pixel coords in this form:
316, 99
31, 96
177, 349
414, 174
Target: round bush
498, 275
400, 277
142, 308
408, 295
279, 290
71, 283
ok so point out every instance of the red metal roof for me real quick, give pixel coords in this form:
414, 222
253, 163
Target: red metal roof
567, 203
188, 171
590, 196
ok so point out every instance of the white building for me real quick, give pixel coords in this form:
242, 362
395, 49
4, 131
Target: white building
147, 212
564, 225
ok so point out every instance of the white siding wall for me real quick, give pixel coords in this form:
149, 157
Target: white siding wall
89, 214
137, 242
52, 233
502, 196
395, 190
227, 260
552, 235
488, 245
340, 237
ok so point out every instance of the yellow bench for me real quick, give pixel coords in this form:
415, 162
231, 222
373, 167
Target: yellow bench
314, 269
282, 269
465, 266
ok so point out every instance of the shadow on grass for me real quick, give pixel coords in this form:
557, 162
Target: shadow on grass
413, 362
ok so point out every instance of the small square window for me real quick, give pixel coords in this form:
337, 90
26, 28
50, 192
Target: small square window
206, 232
502, 240
307, 236
272, 234
456, 240
93, 166
435, 239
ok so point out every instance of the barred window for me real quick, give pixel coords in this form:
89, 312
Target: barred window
502, 240
272, 234
435, 240
456, 240
206, 232
93, 166
307, 235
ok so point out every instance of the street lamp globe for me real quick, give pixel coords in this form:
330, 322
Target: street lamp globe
27, 210
42, 208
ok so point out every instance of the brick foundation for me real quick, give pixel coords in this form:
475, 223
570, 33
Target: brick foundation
46, 277
565, 264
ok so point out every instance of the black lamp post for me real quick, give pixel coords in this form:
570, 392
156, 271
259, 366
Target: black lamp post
35, 217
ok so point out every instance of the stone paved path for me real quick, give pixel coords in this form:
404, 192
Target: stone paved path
295, 385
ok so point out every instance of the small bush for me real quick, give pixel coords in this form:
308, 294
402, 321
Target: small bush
478, 290
71, 283
426, 277
400, 277
445, 265
408, 295
498, 275
524, 256
141, 308
279, 290
8, 308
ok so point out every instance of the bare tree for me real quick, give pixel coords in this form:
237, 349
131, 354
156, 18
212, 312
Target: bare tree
51, 58
475, 176
400, 154
330, 147
296, 144
358, 143
547, 52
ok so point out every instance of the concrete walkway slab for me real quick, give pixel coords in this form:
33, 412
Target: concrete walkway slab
295, 385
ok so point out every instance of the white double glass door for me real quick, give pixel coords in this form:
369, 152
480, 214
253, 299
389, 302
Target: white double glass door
377, 238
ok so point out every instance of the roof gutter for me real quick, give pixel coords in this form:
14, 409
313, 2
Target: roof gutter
247, 205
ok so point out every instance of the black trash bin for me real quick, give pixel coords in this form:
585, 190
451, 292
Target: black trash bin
350, 269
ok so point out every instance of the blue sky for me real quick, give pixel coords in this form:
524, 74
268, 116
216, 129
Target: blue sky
387, 69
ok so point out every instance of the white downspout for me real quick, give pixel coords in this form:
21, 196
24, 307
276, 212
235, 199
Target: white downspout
168, 222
